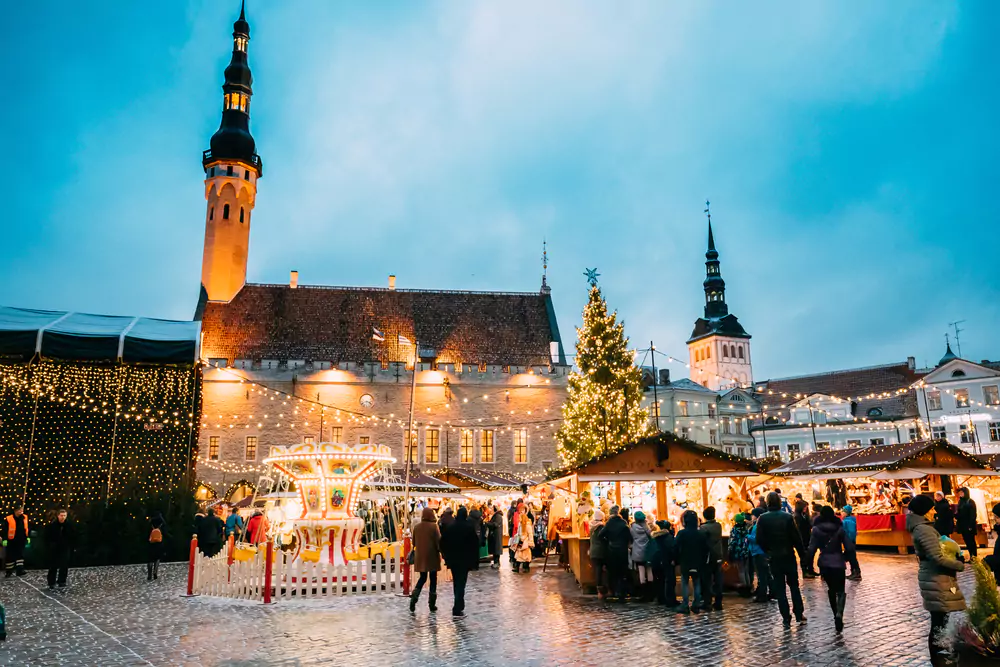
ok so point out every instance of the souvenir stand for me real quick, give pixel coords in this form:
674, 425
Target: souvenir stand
483, 486
878, 481
663, 476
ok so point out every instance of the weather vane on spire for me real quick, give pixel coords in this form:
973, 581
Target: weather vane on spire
592, 275
708, 210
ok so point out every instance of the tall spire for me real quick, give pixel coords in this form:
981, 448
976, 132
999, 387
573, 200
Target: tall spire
948, 355
711, 238
715, 286
545, 268
233, 140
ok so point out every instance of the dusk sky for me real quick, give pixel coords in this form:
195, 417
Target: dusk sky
849, 150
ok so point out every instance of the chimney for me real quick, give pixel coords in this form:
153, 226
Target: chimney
392, 283
911, 363
293, 280
664, 376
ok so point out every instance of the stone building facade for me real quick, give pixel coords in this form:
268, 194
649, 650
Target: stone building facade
287, 363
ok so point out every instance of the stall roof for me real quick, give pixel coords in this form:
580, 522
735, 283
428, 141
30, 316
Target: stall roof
661, 456
69, 336
992, 460
419, 483
487, 479
922, 455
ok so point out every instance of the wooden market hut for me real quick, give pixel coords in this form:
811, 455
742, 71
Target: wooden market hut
656, 458
481, 482
934, 464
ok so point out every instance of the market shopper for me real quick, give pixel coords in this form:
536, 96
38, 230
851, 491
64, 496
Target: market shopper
711, 583
691, 554
641, 537
460, 550
851, 532
447, 516
59, 541
616, 538
966, 522
936, 576
803, 523
426, 558
778, 537
763, 592
234, 524
664, 575
829, 538
494, 536
525, 539
739, 554
476, 519
15, 539
155, 546
210, 530
598, 552
944, 517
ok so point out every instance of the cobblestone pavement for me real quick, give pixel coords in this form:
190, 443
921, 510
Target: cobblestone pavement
112, 616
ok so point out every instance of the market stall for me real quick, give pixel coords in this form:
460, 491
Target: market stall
879, 480
663, 476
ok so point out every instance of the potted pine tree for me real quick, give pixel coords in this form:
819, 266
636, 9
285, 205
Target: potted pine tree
977, 637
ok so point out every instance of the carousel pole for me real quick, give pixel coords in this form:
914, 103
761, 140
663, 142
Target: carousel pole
406, 473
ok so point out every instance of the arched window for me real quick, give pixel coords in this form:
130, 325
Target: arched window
958, 374
741, 351
725, 351
874, 412
225, 212
709, 352
211, 213
241, 214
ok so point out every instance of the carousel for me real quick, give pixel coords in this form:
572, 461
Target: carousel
328, 478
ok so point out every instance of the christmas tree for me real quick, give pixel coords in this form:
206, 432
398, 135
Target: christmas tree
602, 412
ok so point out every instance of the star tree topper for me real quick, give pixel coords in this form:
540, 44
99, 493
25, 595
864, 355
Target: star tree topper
592, 275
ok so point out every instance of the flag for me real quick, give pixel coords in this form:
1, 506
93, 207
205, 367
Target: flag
377, 335
403, 340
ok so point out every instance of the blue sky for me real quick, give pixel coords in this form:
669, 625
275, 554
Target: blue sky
849, 150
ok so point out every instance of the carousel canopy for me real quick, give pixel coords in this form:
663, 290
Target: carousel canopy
420, 484
905, 460
25, 332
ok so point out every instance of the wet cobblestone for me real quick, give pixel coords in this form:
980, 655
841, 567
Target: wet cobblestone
112, 616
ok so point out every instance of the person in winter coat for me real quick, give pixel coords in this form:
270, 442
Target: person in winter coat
512, 516
803, 523
598, 552
494, 536
944, 518
234, 524
663, 565
60, 537
525, 539
616, 537
641, 536
739, 553
828, 537
711, 584
257, 528
447, 516
691, 555
154, 546
763, 592
427, 557
476, 519
850, 523
966, 522
780, 539
15, 538
936, 575
210, 534
460, 550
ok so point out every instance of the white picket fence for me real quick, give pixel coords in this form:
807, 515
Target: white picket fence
247, 580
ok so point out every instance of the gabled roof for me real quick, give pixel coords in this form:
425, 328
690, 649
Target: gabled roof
943, 373
336, 324
685, 384
419, 483
486, 479
877, 457
727, 325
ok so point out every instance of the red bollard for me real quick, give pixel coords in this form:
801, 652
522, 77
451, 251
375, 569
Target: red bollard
406, 564
268, 570
191, 557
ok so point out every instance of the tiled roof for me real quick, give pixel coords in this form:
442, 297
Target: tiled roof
418, 482
335, 324
780, 393
486, 478
726, 325
886, 457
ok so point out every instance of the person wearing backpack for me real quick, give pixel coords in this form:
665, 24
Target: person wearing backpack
739, 553
828, 537
662, 556
155, 547
691, 554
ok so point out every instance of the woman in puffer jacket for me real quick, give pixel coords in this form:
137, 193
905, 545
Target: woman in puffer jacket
640, 541
830, 539
936, 576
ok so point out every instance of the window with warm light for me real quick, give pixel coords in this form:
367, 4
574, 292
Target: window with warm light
774, 451
793, 451
520, 445
240, 43
309, 440
432, 445
853, 443
337, 433
965, 434
251, 448
466, 451
682, 408
991, 395
995, 431
365, 440
486, 447
934, 400
213, 448
961, 398
711, 410
822, 446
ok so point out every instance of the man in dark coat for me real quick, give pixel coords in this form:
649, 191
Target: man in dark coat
616, 537
210, 531
966, 521
711, 580
59, 537
495, 536
476, 519
460, 549
944, 517
778, 537
803, 523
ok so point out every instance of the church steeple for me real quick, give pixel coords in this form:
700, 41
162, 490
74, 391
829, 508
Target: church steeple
233, 140
715, 286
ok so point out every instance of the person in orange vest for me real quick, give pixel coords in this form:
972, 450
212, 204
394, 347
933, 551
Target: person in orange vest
15, 538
